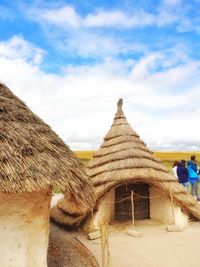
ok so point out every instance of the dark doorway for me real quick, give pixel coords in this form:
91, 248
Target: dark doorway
123, 202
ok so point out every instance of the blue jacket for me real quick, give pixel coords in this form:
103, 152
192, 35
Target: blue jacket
192, 170
182, 173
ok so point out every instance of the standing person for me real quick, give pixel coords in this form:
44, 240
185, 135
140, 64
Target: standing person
193, 176
182, 173
174, 169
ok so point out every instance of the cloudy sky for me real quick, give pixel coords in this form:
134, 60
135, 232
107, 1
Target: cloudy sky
70, 61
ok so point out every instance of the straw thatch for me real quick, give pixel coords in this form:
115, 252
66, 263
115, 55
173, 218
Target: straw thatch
66, 250
63, 218
124, 158
33, 157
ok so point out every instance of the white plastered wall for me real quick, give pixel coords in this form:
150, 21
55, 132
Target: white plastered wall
161, 208
105, 212
24, 229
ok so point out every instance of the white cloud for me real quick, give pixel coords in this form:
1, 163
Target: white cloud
161, 104
18, 47
90, 44
136, 19
165, 17
73, 34
66, 16
117, 18
172, 2
99, 33
63, 16
146, 65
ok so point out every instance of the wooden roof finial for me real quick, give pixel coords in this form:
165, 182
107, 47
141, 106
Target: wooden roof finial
119, 104
119, 109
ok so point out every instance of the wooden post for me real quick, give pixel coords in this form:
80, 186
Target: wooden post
126, 187
172, 204
107, 247
92, 214
104, 245
132, 208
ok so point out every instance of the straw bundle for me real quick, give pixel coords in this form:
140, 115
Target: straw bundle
124, 158
33, 157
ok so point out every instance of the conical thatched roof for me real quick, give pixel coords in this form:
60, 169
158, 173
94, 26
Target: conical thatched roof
33, 156
123, 158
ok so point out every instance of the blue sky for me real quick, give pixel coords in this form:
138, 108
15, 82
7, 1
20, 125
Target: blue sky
71, 60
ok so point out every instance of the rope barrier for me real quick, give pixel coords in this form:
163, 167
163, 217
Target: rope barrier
137, 195
135, 198
135, 212
121, 200
157, 196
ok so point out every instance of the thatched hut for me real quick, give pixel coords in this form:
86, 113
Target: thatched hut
122, 166
33, 160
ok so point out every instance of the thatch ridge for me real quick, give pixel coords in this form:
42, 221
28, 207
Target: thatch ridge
121, 140
34, 157
121, 164
118, 130
121, 155
119, 147
65, 219
124, 158
125, 175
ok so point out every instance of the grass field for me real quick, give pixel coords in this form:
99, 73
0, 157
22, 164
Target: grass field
168, 157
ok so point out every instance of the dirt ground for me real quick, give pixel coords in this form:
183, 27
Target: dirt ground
156, 248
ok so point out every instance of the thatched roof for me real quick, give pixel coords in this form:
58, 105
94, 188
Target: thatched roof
68, 216
33, 157
66, 250
123, 158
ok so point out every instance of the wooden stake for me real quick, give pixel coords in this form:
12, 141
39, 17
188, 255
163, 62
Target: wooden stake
107, 247
92, 214
172, 204
104, 245
132, 208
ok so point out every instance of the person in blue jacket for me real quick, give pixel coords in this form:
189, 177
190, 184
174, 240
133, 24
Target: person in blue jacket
182, 173
193, 176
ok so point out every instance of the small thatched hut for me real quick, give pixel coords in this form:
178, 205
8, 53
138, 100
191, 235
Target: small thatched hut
123, 165
33, 160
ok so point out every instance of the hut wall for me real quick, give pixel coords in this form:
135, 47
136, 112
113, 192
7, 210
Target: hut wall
161, 209
24, 229
105, 212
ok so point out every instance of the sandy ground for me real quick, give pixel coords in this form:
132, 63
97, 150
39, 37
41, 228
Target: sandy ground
156, 248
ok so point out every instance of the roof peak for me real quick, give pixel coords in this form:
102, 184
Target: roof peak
119, 113
120, 103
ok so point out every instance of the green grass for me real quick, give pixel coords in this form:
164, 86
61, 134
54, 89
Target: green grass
56, 190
